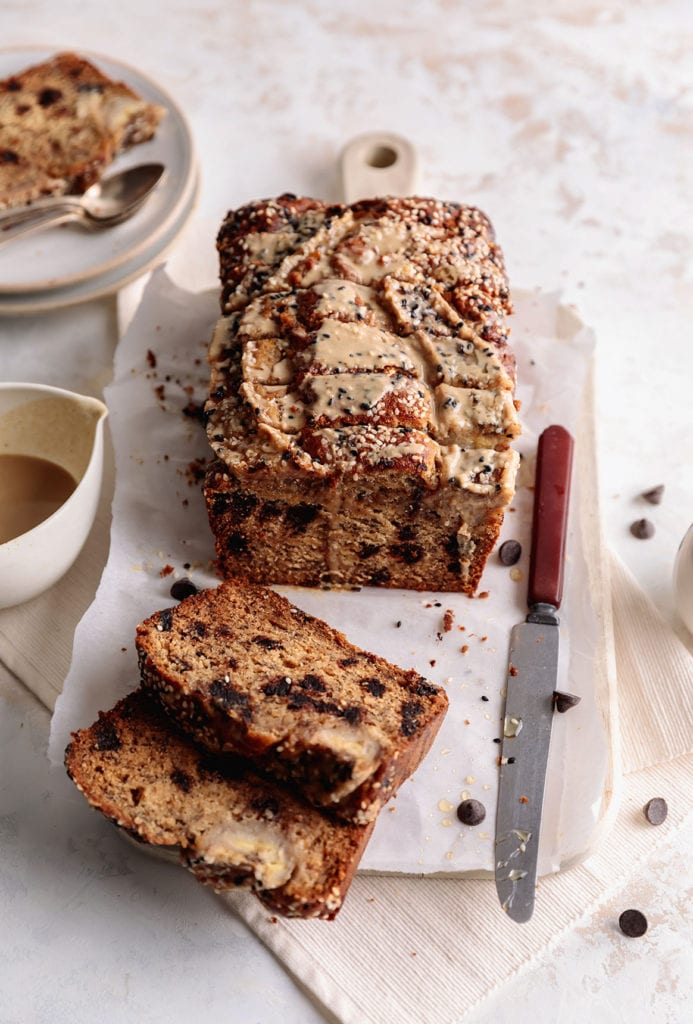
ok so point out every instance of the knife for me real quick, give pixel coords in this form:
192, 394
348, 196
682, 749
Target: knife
532, 672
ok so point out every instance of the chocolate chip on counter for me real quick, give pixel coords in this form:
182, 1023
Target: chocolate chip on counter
509, 552
183, 588
471, 812
656, 810
632, 923
564, 701
643, 529
654, 495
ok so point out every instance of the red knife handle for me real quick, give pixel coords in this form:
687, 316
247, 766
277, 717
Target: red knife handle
550, 521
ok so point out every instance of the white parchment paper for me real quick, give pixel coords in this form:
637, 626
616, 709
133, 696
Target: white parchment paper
160, 533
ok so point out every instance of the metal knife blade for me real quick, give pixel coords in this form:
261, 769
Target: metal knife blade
531, 682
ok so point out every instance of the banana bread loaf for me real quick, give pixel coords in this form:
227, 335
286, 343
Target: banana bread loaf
232, 828
243, 670
361, 397
61, 123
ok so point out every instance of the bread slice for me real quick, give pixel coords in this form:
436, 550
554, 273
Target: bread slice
61, 123
361, 402
232, 829
244, 671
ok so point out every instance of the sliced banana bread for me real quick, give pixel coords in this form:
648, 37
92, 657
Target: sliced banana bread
61, 123
243, 670
232, 828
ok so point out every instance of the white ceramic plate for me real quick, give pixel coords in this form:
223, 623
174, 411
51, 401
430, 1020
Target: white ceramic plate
71, 262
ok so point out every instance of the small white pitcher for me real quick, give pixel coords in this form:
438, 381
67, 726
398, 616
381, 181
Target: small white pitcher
66, 429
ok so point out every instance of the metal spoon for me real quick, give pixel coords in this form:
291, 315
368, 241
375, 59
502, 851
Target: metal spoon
105, 204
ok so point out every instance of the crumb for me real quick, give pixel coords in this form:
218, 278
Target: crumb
151, 358
123, 649
194, 411
483, 639
160, 392
464, 648
467, 722
512, 670
432, 662
371, 899
524, 800
439, 636
166, 571
462, 628
483, 595
448, 620
273, 920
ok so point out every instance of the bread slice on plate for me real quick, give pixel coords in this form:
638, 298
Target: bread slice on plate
62, 122
244, 671
231, 828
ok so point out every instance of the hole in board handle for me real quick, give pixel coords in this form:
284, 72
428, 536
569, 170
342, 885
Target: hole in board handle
381, 156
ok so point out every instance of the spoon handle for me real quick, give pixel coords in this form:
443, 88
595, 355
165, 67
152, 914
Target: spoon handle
26, 223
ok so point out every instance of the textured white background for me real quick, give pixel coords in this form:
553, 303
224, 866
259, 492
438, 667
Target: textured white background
571, 124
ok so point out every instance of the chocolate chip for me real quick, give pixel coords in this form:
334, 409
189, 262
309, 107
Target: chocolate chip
564, 701
654, 495
643, 529
48, 96
374, 686
8, 156
181, 779
183, 588
509, 552
268, 643
656, 810
165, 620
313, 683
301, 515
278, 687
471, 812
106, 736
633, 923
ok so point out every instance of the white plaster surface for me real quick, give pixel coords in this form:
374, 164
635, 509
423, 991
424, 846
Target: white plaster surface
571, 124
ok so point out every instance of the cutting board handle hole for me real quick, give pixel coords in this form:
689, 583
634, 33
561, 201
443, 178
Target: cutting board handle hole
381, 156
